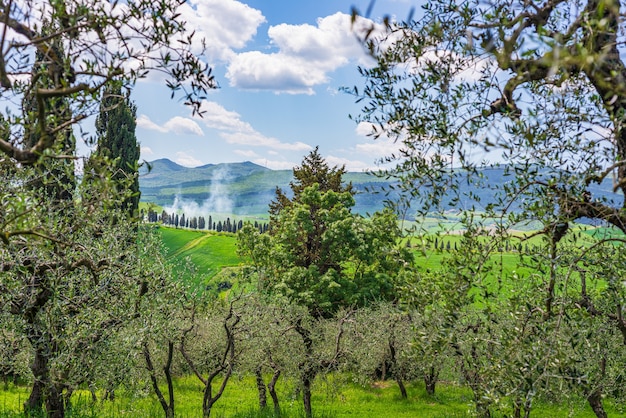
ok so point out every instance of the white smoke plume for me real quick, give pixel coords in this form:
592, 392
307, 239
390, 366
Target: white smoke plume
218, 201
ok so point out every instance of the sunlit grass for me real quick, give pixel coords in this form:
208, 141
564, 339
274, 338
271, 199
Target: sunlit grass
333, 396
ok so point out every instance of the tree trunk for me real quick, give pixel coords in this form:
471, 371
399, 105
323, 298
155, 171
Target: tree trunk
402, 388
271, 386
43, 391
307, 369
260, 384
55, 405
430, 380
168, 408
595, 401
306, 396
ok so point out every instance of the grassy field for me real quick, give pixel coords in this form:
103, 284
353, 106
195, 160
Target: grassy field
331, 398
210, 252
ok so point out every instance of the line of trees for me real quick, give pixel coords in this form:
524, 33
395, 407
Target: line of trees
200, 222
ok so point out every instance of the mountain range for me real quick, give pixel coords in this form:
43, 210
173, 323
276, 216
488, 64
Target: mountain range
247, 189
235, 188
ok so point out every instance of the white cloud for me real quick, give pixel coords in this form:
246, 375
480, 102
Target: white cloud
351, 165
187, 160
379, 147
144, 122
306, 54
225, 24
464, 69
146, 151
183, 126
215, 116
258, 140
246, 153
275, 165
236, 131
177, 125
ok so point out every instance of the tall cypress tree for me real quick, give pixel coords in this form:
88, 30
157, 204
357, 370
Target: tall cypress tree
55, 176
115, 129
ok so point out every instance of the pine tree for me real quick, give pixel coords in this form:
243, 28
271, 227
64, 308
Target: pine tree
115, 128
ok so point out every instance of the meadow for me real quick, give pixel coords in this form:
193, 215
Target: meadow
334, 397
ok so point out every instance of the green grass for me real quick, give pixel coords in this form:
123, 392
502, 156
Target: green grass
215, 254
210, 252
332, 398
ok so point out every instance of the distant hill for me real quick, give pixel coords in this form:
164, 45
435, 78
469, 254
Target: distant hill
247, 188
234, 188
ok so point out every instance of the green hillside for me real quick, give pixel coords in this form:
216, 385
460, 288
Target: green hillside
210, 252
247, 188
234, 188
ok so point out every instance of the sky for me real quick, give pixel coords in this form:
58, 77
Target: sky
280, 65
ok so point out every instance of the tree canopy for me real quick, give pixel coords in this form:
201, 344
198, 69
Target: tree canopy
538, 86
78, 48
320, 254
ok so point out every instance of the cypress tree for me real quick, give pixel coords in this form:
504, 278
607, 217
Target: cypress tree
314, 169
115, 129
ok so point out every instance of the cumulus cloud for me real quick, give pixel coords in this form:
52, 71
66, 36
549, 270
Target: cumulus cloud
177, 125
258, 140
305, 55
246, 153
236, 131
187, 160
225, 24
380, 147
351, 165
215, 116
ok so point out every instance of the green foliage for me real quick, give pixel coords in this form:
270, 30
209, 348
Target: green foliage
117, 147
322, 256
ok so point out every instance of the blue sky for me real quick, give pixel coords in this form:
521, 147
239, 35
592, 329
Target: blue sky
280, 65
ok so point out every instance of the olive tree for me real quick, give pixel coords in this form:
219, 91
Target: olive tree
540, 88
68, 272
78, 47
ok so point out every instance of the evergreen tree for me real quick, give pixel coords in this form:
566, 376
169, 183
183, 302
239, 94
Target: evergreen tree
314, 170
56, 176
117, 145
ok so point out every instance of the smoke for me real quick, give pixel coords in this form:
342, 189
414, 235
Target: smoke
217, 202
